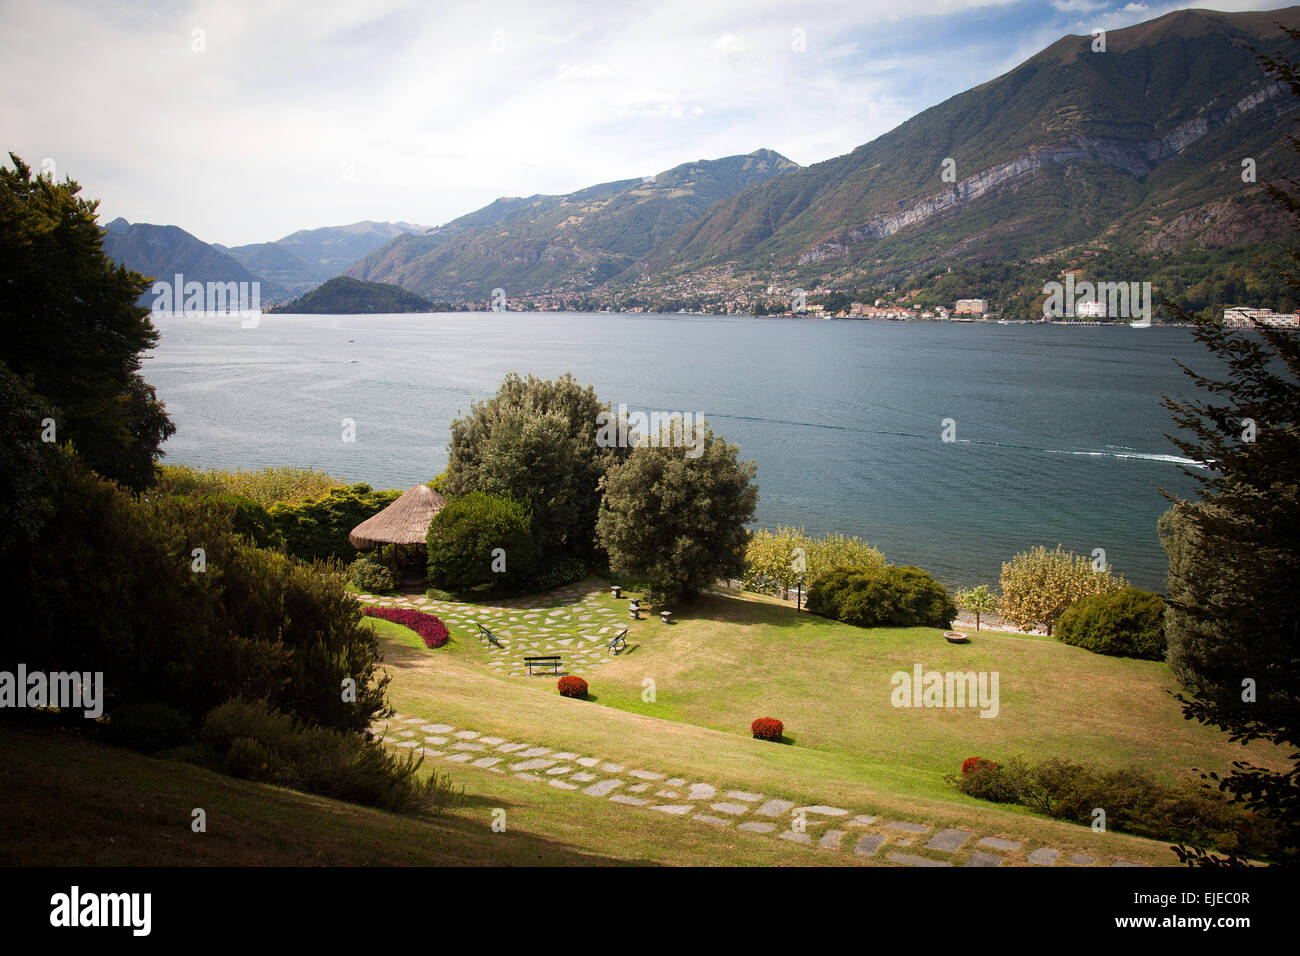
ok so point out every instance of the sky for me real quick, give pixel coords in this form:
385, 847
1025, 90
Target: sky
243, 122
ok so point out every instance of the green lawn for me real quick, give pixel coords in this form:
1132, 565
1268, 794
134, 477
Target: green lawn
68, 800
727, 661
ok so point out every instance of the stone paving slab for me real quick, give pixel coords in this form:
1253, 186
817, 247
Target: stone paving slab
908, 827
907, 859
997, 843
735, 809
831, 839
869, 844
949, 841
716, 821
980, 858
1044, 856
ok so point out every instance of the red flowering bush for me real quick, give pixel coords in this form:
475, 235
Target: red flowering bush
431, 630
767, 728
972, 764
571, 686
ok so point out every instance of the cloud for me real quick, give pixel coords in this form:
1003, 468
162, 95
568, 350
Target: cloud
437, 109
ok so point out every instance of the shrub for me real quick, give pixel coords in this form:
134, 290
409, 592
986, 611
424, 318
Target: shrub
767, 728
1134, 802
255, 624
262, 744
266, 487
318, 527
562, 572
973, 764
571, 686
464, 537
370, 576
431, 630
897, 596
149, 727
1127, 623
248, 518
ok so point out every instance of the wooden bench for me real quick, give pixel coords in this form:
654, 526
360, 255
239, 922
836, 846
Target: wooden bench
618, 642
550, 660
490, 636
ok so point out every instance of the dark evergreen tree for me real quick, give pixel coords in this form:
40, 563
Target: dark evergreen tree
72, 329
1232, 621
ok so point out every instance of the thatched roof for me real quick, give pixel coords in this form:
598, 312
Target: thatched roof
405, 521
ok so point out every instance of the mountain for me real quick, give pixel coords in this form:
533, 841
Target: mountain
308, 257
346, 296
285, 267
1139, 147
160, 252
571, 241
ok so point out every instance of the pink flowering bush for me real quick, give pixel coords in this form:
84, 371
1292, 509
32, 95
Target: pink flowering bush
431, 630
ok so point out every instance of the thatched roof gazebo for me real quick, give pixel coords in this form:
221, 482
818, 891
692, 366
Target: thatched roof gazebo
405, 521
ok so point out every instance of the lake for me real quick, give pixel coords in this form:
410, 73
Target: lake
1059, 434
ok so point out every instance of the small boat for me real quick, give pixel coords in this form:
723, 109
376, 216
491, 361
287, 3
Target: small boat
1140, 324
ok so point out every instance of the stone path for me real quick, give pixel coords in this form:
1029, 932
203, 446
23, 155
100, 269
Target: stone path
570, 621
812, 825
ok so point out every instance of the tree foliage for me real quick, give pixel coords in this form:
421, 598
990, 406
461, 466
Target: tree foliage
535, 440
175, 608
73, 330
776, 560
674, 521
1038, 585
979, 601
1234, 634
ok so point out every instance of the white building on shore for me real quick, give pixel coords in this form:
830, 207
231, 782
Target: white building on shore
1239, 317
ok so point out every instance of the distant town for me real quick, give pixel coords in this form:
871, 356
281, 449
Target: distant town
823, 303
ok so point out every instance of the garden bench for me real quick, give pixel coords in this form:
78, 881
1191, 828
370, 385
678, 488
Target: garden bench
490, 636
618, 642
550, 660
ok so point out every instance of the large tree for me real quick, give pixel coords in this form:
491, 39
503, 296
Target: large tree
676, 519
1233, 621
72, 329
535, 441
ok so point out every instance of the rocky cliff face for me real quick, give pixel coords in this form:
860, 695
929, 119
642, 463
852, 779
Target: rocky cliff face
1137, 158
